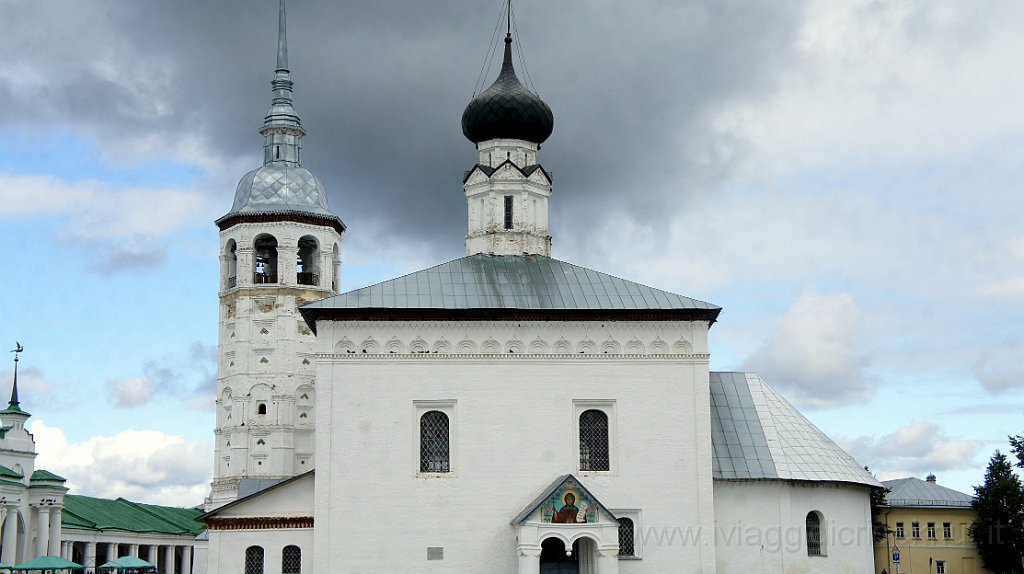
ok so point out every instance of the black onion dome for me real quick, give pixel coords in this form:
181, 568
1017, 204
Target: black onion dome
507, 110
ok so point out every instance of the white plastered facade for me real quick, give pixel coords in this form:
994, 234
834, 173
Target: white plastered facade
514, 431
271, 520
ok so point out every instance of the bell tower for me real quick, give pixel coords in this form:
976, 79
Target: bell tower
280, 248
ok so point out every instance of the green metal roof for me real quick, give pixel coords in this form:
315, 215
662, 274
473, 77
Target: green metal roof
88, 513
8, 473
504, 283
47, 475
11, 483
13, 409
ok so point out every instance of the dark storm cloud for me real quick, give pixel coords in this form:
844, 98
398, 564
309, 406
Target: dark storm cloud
381, 87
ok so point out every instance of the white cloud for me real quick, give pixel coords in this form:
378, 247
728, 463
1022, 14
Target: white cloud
887, 82
1000, 369
813, 352
139, 465
98, 212
120, 229
912, 450
35, 386
133, 392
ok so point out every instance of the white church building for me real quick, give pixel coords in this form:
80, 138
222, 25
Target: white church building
504, 412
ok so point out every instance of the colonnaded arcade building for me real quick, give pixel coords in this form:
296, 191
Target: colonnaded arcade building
502, 412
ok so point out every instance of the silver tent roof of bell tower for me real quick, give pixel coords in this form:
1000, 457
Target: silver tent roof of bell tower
281, 185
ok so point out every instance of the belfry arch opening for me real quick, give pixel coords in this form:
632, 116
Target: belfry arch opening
336, 265
231, 263
306, 261
264, 260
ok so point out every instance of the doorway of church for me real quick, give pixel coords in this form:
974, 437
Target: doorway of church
554, 560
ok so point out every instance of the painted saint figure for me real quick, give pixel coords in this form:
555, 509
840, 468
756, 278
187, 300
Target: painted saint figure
569, 513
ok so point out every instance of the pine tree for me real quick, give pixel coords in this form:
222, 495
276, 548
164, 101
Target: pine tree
999, 529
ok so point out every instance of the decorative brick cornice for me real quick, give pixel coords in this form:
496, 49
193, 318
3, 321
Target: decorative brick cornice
260, 523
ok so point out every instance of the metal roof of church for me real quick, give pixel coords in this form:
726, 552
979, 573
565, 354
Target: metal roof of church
757, 434
913, 491
512, 282
88, 513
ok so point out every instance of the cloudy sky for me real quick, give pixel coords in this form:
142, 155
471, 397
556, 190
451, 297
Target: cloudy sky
842, 177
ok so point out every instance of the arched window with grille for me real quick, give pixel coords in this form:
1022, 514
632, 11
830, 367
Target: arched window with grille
254, 560
291, 560
594, 440
815, 537
627, 537
434, 442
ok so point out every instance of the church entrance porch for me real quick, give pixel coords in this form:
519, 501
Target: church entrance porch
581, 560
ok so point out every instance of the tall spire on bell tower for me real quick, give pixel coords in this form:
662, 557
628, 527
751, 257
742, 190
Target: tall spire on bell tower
282, 130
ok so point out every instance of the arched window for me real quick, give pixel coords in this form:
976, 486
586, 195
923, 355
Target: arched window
291, 560
261, 409
305, 264
594, 440
336, 264
627, 538
265, 260
815, 540
254, 560
231, 263
434, 445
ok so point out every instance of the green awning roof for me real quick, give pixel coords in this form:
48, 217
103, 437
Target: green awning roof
128, 563
46, 563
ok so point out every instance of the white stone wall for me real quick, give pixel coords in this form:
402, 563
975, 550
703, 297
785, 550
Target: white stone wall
760, 527
514, 429
266, 358
226, 551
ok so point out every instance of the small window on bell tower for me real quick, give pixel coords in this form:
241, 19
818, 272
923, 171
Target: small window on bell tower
261, 409
508, 212
277, 152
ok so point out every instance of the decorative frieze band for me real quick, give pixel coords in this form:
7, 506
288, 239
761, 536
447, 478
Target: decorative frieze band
260, 523
536, 346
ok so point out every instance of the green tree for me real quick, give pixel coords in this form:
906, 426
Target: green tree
999, 529
879, 529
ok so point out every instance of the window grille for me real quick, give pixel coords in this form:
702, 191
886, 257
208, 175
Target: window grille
594, 440
291, 560
947, 530
813, 534
508, 212
899, 530
627, 538
434, 442
254, 560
